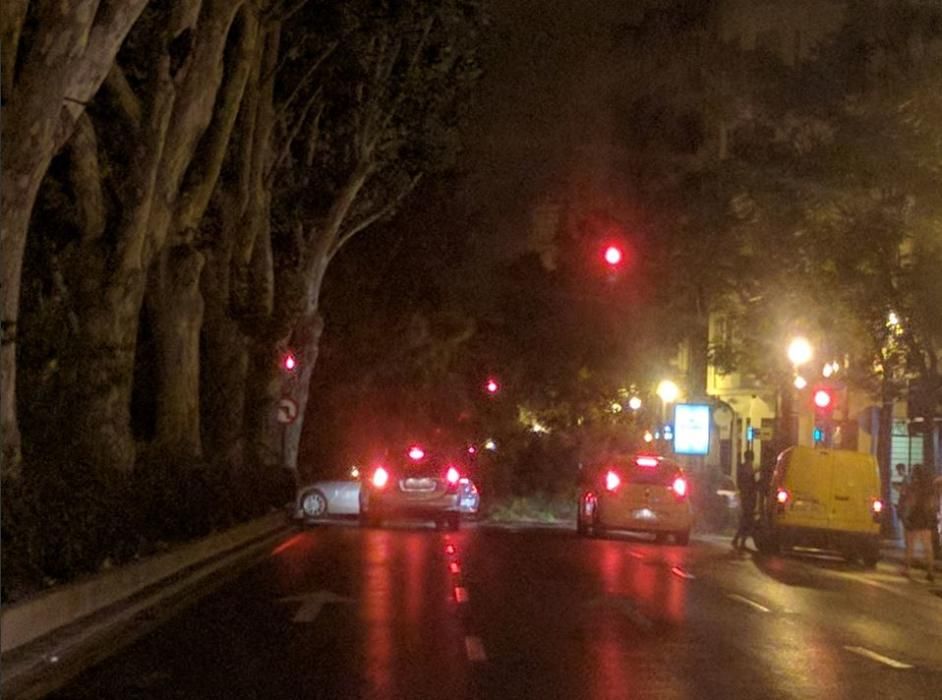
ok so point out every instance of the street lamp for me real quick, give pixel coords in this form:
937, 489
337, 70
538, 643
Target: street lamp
634, 403
799, 351
668, 391
800, 382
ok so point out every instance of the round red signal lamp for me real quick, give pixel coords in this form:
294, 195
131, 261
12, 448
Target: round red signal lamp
492, 386
822, 398
289, 362
613, 255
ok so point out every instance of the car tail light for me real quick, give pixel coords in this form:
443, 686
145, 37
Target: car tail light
380, 477
646, 461
781, 496
877, 506
612, 481
452, 475
679, 486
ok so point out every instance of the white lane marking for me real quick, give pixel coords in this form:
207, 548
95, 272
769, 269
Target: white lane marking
475, 648
454, 567
677, 571
751, 603
893, 663
461, 594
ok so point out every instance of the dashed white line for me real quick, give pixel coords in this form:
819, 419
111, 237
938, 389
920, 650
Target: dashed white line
750, 603
461, 594
475, 648
892, 663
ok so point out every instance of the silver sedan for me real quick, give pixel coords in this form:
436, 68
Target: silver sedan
322, 499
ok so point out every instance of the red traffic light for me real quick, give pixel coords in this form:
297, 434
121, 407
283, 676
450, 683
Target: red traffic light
822, 399
613, 255
492, 386
289, 362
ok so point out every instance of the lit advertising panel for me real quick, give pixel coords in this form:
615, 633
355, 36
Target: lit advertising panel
691, 429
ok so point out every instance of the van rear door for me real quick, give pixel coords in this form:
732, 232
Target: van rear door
807, 478
854, 484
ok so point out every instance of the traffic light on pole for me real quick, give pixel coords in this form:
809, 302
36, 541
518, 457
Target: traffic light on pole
491, 386
823, 398
613, 256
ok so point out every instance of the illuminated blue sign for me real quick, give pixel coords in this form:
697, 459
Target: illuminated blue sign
692, 429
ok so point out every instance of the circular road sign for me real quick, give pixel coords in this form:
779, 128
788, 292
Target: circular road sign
287, 411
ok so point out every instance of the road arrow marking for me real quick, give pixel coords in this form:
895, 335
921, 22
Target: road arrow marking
475, 648
893, 663
311, 604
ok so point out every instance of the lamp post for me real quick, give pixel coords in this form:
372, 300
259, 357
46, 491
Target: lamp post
799, 352
668, 392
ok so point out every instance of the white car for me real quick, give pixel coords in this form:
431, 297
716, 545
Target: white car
322, 499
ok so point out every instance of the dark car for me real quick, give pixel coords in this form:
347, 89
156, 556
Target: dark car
415, 486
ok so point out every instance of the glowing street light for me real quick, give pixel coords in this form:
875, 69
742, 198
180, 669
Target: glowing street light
668, 391
800, 382
634, 403
799, 351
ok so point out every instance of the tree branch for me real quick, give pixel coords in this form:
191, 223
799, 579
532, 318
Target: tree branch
117, 84
85, 176
198, 191
368, 220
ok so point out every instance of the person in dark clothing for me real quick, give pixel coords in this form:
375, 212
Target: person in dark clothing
918, 509
746, 481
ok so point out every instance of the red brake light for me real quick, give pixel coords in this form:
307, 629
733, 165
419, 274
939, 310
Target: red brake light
877, 505
612, 481
646, 461
452, 475
680, 486
380, 477
781, 496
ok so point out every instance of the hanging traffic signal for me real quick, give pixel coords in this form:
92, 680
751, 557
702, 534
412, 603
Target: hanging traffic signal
614, 256
823, 400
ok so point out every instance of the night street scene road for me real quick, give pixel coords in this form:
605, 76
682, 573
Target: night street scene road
471, 349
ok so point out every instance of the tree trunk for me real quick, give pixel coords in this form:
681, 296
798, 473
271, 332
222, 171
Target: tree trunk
223, 365
305, 341
69, 56
100, 428
176, 306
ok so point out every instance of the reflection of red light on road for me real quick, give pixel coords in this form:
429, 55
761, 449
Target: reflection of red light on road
377, 614
449, 549
454, 567
287, 543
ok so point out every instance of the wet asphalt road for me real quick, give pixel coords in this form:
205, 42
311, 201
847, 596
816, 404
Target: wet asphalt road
408, 612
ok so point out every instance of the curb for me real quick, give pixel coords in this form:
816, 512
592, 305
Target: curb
56, 634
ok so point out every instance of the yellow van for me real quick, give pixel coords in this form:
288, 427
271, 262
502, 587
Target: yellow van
825, 499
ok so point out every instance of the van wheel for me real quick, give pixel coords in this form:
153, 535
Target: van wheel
870, 556
682, 538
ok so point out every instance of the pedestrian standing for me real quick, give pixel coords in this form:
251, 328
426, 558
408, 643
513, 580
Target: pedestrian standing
918, 510
746, 481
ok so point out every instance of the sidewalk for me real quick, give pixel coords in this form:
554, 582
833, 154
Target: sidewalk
894, 550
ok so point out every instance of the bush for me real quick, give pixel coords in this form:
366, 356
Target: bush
63, 519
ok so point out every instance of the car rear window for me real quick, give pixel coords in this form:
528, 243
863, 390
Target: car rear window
629, 470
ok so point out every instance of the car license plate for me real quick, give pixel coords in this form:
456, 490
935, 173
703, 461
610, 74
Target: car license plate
414, 484
645, 514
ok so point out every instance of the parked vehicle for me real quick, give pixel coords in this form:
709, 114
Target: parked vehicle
825, 499
322, 499
645, 493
